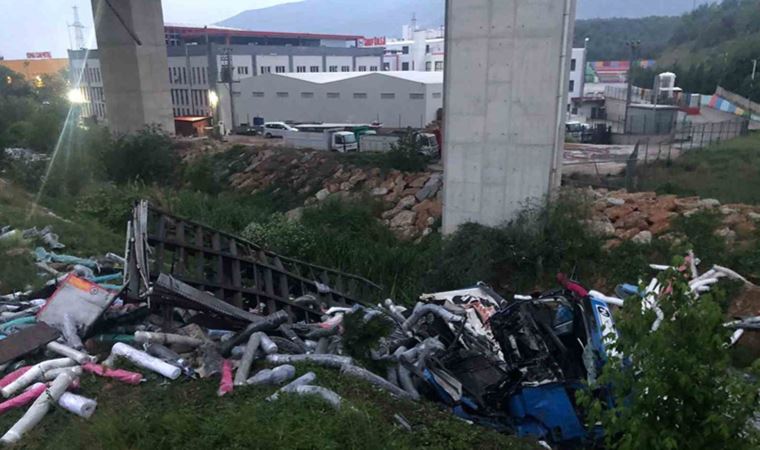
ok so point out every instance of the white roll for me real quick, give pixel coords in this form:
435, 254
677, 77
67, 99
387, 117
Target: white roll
278, 375
145, 337
52, 374
268, 345
81, 406
304, 379
65, 350
35, 373
144, 360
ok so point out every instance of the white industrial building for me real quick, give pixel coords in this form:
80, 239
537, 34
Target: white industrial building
394, 99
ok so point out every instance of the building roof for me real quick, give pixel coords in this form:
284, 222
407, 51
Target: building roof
331, 77
31, 68
226, 31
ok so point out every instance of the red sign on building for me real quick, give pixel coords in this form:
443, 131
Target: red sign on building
372, 42
38, 55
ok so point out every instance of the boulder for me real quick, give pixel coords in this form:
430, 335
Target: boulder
709, 203
378, 191
643, 237
419, 181
322, 195
430, 188
406, 202
295, 214
403, 219
754, 216
613, 201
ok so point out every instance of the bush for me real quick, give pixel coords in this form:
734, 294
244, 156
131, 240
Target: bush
674, 388
289, 238
146, 155
405, 155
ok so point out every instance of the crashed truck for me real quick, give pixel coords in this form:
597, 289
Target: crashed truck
509, 364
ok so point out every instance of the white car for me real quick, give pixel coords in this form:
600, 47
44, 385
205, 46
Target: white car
276, 129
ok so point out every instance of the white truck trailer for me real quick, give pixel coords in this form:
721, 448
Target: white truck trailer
332, 140
384, 142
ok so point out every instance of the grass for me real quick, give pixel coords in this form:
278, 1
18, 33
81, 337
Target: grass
189, 415
729, 172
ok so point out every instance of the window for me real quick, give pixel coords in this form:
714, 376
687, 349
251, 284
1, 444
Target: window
345, 68
436, 95
572, 65
386, 66
314, 69
362, 68
170, 76
282, 94
279, 69
572, 85
373, 68
416, 96
184, 76
427, 48
333, 68
333, 95
307, 95
405, 66
301, 69
428, 65
242, 70
266, 69
360, 95
405, 49
388, 96
204, 75
258, 94
438, 66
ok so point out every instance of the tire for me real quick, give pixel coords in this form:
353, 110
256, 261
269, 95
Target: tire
268, 135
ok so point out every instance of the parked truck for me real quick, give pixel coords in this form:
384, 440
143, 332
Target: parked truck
383, 142
330, 139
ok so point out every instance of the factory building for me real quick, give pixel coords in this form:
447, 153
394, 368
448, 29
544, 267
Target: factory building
200, 57
394, 99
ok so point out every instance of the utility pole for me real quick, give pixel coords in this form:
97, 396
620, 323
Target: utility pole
227, 68
634, 46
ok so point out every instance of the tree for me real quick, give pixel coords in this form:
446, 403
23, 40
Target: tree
673, 388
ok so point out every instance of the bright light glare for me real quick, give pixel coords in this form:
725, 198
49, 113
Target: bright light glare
75, 96
213, 99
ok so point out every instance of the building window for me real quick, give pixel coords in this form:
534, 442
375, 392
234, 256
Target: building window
386, 66
427, 48
428, 66
360, 95
184, 76
373, 68
314, 69
416, 96
362, 68
307, 95
266, 69
242, 70
301, 69
405, 49
436, 95
438, 66
204, 75
333, 95
572, 65
345, 68
282, 94
388, 96
279, 69
258, 94
333, 68
405, 66
572, 85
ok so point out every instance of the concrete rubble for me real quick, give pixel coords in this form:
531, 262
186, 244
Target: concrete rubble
512, 364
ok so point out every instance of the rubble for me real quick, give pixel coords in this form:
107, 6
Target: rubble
513, 364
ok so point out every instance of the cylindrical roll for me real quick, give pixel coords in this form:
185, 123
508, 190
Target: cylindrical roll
81, 406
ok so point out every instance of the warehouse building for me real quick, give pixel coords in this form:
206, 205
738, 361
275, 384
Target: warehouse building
199, 56
395, 99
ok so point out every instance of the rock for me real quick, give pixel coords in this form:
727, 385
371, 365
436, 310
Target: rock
429, 189
406, 202
426, 231
333, 187
726, 233
346, 186
388, 214
626, 234
615, 213
612, 201
601, 227
322, 195
643, 237
295, 214
360, 176
419, 181
609, 244
659, 227
403, 219
726, 211
754, 216
708, 203
732, 219
378, 191
430, 221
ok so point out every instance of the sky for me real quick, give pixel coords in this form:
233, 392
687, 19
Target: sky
41, 25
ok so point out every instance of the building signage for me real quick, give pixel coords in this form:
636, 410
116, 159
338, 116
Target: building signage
38, 55
372, 42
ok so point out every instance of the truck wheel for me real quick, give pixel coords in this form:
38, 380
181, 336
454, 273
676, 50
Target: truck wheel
268, 135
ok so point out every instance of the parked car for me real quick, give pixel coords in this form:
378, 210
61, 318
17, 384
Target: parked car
277, 129
248, 130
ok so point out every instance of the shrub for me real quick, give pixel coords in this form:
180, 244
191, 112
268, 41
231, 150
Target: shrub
405, 155
277, 233
674, 388
146, 155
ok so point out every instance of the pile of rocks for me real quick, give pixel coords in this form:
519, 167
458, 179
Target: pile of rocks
640, 216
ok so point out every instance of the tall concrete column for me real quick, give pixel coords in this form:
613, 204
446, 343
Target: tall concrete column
506, 80
133, 63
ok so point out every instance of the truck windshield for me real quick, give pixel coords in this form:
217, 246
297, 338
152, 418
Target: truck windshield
349, 138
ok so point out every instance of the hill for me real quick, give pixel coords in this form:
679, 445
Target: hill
386, 18
608, 37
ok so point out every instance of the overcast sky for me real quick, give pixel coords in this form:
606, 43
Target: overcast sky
41, 25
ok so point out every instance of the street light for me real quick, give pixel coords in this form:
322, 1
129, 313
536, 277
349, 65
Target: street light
75, 96
213, 99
